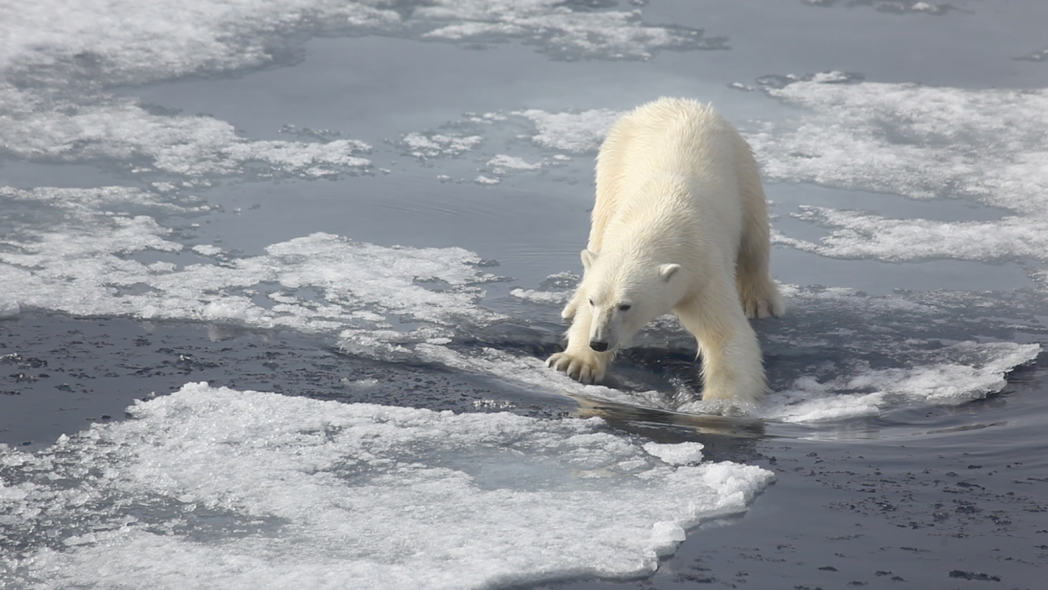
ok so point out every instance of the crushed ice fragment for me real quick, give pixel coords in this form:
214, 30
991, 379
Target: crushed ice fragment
9, 308
676, 454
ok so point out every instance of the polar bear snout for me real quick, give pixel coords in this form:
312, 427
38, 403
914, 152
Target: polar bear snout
604, 330
598, 345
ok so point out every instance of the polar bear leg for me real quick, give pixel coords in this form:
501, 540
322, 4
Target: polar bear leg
731, 356
572, 306
579, 361
757, 292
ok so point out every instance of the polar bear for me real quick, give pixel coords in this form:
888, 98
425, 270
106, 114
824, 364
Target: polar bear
680, 224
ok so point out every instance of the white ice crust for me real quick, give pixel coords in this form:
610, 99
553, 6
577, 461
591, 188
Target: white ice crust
868, 392
219, 488
432, 145
81, 266
921, 142
138, 41
537, 296
677, 453
578, 133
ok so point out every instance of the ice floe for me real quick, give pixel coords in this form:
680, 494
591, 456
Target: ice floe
502, 162
856, 234
951, 376
136, 42
188, 146
574, 132
321, 493
538, 296
558, 29
87, 268
892, 6
917, 141
433, 145
921, 142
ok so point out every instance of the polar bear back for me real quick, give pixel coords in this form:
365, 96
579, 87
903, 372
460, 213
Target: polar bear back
677, 166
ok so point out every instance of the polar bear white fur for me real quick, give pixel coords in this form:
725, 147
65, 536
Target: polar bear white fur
680, 224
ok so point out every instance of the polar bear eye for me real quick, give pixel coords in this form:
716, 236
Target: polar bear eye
625, 307
591, 302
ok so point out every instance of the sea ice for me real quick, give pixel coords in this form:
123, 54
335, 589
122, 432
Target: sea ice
434, 145
676, 454
557, 29
212, 487
189, 146
553, 297
502, 162
83, 267
864, 235
9, 307
571, 132
918, 141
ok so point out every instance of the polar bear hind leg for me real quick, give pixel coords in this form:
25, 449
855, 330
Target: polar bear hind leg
757, 290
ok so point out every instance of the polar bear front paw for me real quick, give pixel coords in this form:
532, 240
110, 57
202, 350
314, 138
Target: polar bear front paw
583, 368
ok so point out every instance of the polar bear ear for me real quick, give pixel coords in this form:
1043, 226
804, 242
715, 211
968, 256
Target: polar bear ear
588, 258
668, 270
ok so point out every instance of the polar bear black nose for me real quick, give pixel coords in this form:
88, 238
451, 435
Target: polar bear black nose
598, 346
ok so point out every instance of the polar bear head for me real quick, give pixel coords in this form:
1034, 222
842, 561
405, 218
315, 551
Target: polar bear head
625, 291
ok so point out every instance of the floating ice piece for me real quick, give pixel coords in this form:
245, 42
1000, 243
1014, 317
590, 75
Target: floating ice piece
89, 203
918, 141
138, 42
895, 6
947, 377
558, 30
190, 146
501, 163
433, 145
571, 132
864, 235
486, 180
546, 297
207, 250
1041, 55
84, 268
320, 493
676, 454
149, 40
9, 308
556, 289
